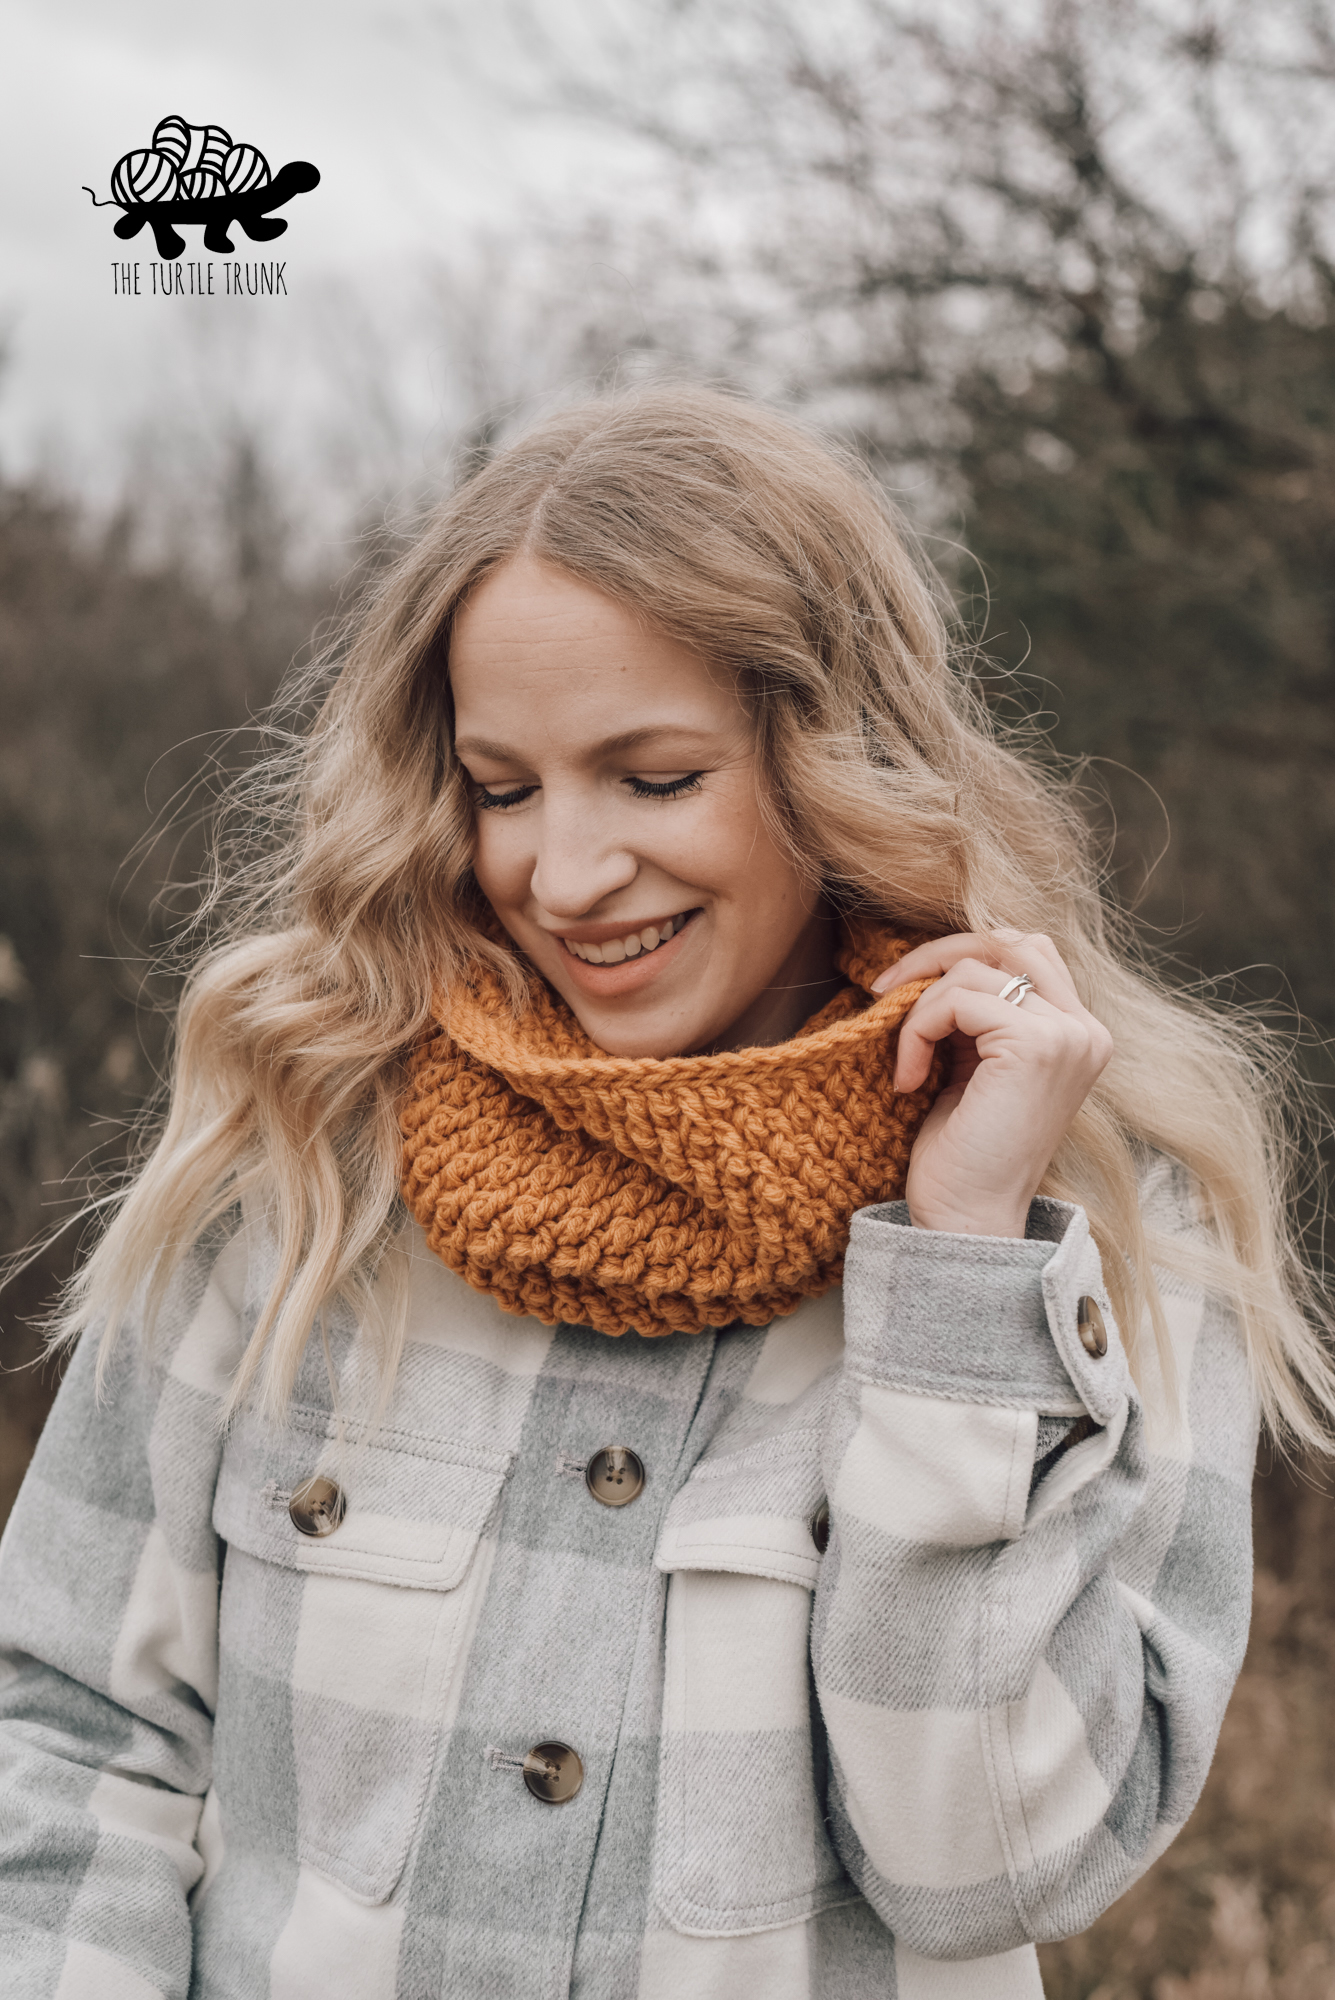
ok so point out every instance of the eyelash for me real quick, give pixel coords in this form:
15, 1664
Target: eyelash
671, 788
640, 788
497, 801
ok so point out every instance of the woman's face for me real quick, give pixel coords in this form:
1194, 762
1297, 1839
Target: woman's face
620, 838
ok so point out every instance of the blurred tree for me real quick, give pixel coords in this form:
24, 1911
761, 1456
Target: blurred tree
1161, 535
1065, 272
120, 683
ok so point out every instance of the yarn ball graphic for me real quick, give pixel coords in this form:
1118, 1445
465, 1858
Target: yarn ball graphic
172, 137
245, 168
196, 173
201, 184
193, 146
144, 175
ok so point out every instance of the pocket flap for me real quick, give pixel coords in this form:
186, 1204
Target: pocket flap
415, 1507
749, 1512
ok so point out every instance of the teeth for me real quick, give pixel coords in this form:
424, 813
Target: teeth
630, 946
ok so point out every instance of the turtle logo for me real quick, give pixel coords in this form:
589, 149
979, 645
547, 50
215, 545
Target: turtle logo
194, 173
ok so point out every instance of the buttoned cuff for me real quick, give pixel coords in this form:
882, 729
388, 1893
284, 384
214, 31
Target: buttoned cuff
982, 1319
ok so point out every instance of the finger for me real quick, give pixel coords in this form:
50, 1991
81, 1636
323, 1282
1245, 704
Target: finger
975, 974
925, 961
979, 976
1007, 951
1003, 949
1035, 953
964, 1010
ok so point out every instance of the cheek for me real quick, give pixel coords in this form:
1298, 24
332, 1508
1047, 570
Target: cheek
498, 859
721, 845
738, 857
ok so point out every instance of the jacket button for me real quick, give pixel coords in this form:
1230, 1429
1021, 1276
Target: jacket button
317, 1507
615, 1475
1089, 1325
820, 1527
553, 1773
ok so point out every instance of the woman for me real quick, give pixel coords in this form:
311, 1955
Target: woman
679, 1388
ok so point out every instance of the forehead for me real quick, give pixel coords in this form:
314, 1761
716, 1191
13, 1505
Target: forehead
534, 649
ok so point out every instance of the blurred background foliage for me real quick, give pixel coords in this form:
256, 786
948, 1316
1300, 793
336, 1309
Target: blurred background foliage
1064, 273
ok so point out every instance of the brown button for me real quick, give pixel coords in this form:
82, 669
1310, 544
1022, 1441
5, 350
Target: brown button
317, 1507
553, 1773
615, 1475
820, 1527
1089, 1325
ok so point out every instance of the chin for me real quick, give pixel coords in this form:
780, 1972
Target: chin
635, 1044
647, 1039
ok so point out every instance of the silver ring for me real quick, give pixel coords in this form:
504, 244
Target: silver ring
1015, 989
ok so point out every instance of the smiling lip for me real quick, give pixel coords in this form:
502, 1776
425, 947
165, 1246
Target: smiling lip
609, 982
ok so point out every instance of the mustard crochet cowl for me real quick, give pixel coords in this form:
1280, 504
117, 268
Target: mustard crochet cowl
633, 1194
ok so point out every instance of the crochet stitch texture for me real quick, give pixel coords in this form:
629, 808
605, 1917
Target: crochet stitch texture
659, 1196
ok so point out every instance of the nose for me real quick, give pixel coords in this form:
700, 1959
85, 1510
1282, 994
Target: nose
579, 860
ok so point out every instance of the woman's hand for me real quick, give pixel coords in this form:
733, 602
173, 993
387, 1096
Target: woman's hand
1017, 1076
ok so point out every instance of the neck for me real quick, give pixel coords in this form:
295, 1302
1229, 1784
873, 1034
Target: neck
803, 984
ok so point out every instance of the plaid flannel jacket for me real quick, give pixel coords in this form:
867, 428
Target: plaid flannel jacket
236, 1761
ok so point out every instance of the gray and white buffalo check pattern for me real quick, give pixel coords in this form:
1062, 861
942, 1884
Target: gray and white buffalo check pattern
237, 1763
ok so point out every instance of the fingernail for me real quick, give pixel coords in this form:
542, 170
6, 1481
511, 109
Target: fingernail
883, 981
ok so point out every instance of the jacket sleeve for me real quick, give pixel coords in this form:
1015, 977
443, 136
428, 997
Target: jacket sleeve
108, 1657
1023, 1654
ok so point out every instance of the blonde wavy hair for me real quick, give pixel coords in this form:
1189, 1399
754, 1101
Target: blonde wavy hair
350, 896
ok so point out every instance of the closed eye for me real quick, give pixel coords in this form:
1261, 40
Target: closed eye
670, 788
640, 788
489, 801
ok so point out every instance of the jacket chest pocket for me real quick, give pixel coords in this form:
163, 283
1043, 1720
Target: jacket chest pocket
742, 1839
342, 1653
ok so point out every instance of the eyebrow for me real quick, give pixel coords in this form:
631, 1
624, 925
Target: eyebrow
611, 746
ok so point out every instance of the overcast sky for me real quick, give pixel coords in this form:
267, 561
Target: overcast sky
409, 108
414, 154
